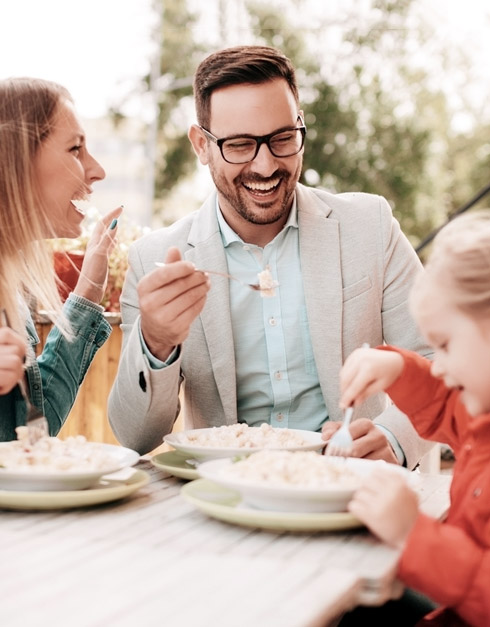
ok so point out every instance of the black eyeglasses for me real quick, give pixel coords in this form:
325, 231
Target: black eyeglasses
242, 149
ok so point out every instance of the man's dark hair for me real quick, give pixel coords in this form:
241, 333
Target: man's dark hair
237, 66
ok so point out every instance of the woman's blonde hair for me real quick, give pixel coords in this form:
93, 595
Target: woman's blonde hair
28, 108
459, 262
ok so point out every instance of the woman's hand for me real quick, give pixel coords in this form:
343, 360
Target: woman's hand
93, 275
12, 358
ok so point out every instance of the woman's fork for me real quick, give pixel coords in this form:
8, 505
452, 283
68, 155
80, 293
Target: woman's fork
37, 425
341, 441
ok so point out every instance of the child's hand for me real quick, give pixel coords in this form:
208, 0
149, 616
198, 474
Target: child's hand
367, 371
12, 357
387, 506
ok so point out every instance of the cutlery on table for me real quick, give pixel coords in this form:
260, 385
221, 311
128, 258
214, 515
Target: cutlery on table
253, 286
37, 425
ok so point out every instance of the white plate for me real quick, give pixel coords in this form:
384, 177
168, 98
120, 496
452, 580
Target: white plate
294, 498
224, 504
201, 453
105, 490
36, 480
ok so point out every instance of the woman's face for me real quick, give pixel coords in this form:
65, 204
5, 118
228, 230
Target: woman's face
64, 172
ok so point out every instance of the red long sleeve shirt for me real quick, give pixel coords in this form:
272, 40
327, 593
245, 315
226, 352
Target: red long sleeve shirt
449, 561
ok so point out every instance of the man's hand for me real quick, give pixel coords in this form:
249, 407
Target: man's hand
369, 441
170, 299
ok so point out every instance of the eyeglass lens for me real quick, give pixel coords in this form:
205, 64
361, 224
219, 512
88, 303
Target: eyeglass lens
243, 149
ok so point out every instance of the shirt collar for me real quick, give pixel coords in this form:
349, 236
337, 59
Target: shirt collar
229, 236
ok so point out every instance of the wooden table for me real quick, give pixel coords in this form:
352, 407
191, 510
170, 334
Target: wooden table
153, 560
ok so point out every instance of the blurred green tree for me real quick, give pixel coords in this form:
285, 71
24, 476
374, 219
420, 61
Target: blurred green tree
355, 140
376, 122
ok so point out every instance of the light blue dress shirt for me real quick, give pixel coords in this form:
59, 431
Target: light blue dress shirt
277, 380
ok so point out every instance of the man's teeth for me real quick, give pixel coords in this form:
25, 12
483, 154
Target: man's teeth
263, 187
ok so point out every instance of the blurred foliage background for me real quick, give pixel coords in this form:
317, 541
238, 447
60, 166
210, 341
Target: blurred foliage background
387, 104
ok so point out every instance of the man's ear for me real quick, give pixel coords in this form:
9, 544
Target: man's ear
199, 143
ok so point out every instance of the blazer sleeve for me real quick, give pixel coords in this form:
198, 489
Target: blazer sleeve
143, 402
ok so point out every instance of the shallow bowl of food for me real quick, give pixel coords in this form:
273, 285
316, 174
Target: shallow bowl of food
52, 464
241, 440
293, 481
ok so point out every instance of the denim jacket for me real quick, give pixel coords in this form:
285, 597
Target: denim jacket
56, 375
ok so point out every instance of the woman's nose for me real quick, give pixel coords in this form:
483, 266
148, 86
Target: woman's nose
93, 170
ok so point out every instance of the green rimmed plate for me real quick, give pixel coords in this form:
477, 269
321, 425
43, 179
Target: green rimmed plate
176, 464
106, 490
225, 504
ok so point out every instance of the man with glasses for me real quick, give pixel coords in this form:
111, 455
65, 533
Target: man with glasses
342, 266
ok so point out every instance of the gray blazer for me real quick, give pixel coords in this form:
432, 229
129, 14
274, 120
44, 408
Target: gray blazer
357, 268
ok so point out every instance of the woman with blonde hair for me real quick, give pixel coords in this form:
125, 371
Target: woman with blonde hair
447, 400
45, 168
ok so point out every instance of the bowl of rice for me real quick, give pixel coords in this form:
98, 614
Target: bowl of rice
241, 440
287, 481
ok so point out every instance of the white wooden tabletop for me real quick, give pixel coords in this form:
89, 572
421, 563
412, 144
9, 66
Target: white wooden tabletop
153, 559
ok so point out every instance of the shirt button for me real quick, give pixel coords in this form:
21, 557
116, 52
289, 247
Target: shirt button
476, 492
272, 322
467, 447
246, 247
278, 375
280, 417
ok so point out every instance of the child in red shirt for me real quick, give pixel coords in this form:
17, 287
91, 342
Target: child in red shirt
448, 400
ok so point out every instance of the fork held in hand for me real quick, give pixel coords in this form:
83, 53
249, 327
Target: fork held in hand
341, 441
252, 286
36, 422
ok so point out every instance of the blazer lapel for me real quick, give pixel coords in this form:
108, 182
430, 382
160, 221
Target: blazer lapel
322, 279
208, 253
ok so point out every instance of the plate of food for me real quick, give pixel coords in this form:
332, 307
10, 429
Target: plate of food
226, 505
287, 481
55, 464
240, 440
105, 490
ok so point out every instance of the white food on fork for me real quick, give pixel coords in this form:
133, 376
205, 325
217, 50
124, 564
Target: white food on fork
266, 285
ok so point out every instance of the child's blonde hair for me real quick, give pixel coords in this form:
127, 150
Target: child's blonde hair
28, 108
459, 263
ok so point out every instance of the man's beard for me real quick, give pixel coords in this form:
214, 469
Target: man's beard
241, 202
